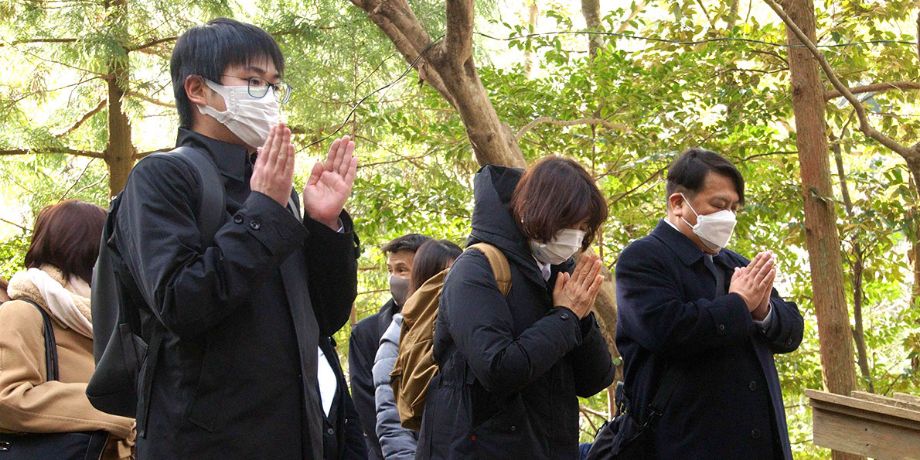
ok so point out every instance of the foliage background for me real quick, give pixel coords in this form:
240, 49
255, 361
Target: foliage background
671, 75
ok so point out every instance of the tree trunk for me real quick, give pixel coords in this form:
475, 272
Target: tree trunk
820, 229
119, 150
859, 335
591, 9
532, 14
914, 219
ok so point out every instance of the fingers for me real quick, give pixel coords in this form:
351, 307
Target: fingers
338, 155
763, 271
593, 273
262, 158
758, 261
346, 158
274, 150
316, 173
583, 268
560, 282
350, 174
333, 151
289, 160
595, 287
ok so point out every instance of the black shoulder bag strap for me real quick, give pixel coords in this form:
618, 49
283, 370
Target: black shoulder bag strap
51, 357
669, 383
210, 212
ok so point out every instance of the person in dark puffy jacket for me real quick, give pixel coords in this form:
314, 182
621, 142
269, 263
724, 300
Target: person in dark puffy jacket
512, 367
397, 442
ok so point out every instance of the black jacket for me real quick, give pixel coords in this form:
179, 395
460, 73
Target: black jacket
362, 348
236, 376
729, 403
511, 369
342, 435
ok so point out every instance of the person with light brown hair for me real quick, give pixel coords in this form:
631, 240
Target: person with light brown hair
512, 367
59, 267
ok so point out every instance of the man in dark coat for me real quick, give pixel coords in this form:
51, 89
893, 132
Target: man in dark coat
241, 316
365, 336
693, 311
511, 368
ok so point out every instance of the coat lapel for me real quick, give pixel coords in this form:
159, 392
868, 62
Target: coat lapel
294, 278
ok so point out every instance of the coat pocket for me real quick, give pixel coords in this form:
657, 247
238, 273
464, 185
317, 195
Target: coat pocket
507, 431
208, 407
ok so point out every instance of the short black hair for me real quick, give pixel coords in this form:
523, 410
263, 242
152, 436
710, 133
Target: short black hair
208, 50
410, 242
688, 173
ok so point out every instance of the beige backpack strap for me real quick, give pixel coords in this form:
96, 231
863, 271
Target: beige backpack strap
500, 267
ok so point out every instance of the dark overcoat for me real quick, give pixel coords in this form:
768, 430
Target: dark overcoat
729, 403
236, 375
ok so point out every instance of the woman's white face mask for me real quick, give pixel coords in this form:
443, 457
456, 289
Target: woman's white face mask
714, 229
565, 244
247, 117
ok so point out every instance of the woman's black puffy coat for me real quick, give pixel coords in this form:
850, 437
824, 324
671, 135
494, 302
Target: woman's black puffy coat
510, 368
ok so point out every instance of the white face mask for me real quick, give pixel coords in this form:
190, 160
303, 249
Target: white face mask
249, 118
563, 246
714, 229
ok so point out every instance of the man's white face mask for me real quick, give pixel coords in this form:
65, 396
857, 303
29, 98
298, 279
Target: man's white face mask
714, 229
565, 244
247, 117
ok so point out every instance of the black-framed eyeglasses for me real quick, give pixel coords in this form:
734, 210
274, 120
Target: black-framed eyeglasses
258, 88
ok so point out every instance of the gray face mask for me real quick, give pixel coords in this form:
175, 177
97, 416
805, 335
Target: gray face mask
399, 289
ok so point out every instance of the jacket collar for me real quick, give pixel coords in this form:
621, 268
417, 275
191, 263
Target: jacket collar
686, 251
230, 159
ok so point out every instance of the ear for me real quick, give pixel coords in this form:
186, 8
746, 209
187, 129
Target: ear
196, 90
676, 203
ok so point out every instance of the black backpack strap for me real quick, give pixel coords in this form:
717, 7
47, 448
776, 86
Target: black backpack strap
211, 206
51, 357
211, 209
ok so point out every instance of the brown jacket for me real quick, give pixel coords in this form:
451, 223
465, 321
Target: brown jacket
28, 402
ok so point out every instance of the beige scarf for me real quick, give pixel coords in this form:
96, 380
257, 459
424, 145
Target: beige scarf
65, 300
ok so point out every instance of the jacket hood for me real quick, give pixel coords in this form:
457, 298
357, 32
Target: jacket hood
493, 221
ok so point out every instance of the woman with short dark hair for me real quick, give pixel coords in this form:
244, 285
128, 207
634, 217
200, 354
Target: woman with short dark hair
59, 262
512, 367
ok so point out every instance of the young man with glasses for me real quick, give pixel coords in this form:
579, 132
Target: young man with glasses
240, 312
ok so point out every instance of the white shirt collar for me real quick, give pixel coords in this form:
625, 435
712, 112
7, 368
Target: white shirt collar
545, 270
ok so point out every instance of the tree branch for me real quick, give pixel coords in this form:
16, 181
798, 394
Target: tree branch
910, 154
636, 9
875, 88
84, 118
459, 38
409, 44
150, 44
38, 40
149, 99
581, 121
68, 151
